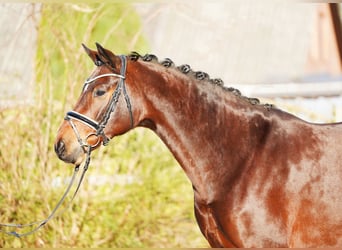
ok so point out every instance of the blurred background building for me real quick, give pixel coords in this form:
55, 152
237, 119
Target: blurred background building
18, 36
277, 50
286, 51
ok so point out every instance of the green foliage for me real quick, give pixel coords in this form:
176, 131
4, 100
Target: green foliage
134, 193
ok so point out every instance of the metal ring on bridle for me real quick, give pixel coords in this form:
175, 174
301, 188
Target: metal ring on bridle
97, 141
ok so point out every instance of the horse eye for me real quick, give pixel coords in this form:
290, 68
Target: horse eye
99, 92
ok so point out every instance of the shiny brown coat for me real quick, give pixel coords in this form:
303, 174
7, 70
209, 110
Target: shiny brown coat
261, 177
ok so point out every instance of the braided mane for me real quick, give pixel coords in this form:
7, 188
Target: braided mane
199, 75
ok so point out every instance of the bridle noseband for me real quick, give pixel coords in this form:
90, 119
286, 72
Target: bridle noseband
99, 127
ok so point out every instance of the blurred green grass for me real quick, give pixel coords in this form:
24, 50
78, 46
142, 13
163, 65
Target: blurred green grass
154, 209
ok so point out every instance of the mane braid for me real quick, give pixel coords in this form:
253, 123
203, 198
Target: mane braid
198, 75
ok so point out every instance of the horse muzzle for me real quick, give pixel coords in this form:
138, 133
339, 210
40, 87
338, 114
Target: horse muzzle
73, 154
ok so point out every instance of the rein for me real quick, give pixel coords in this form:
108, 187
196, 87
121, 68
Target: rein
99, 132
41, 223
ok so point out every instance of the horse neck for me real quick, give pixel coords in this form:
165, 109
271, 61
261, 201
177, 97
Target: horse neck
205, 127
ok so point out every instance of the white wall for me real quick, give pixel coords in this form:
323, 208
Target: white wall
18, 34
239, 41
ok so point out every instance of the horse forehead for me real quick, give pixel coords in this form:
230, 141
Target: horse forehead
97, 71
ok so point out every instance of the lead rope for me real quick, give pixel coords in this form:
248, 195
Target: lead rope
41, 223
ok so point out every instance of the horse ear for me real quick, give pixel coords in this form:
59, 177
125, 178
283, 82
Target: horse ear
107, 56
93, 55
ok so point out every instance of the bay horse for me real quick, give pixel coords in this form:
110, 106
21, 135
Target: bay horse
261, 177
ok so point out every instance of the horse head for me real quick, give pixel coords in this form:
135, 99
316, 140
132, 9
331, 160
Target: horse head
102, 111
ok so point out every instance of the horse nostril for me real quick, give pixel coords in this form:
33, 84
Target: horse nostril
60, 147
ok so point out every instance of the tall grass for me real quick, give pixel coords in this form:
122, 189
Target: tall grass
145, 199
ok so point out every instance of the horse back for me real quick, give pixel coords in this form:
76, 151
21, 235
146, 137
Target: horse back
314, 187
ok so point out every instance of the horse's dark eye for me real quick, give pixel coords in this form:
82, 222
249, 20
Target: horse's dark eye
99, 92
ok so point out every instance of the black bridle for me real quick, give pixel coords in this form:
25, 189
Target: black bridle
99, 127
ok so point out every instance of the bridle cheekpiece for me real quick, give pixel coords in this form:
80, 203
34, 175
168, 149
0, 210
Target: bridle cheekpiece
99, 127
